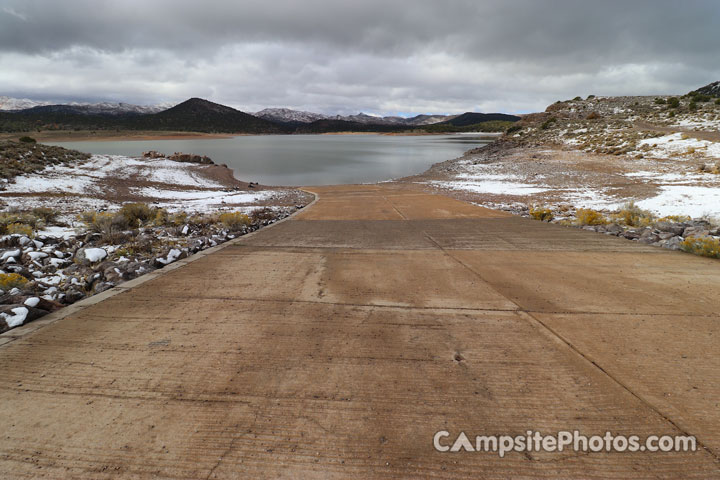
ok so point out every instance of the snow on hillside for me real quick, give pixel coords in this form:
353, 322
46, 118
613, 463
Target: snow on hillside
106, 108
288, 115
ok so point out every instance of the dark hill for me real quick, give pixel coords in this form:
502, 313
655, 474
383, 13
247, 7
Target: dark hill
712, 89
472, 118
327, 125
194, 115
200, 115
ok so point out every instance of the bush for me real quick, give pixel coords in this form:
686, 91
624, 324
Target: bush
588, 216
590, 97
234, 220
673, 102
20, 229
660, 101
547, 123
542, 214
45, 213
109, 225
12, 218
27, 140
705, 246
634, 216
717, 102
577, 99
513, 128
137, 214
8, 281
692, 106
261, 214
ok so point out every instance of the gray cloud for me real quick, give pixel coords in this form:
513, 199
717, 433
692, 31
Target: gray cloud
346, 56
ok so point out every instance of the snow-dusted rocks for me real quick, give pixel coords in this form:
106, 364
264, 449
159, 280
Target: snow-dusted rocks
90, 255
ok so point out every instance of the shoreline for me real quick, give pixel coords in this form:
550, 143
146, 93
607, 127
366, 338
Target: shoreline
122, 136
63, 136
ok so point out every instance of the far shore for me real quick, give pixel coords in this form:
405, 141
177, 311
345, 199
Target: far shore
125, 135
122, 135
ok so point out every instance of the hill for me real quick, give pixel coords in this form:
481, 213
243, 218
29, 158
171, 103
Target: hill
200, 115
473, 118
712, 89
328, 126
193, 115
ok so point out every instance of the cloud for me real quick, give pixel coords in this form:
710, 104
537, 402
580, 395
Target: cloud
346, 56
15, 14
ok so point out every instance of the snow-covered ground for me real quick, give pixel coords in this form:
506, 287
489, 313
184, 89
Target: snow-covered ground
678, 145
107, 181
670, 186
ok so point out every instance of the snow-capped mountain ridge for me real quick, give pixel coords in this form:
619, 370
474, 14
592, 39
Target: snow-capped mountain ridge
289, 115
102, 108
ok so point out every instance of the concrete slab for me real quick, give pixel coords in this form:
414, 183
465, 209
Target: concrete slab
335, 344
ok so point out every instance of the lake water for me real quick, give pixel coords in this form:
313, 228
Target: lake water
307, 159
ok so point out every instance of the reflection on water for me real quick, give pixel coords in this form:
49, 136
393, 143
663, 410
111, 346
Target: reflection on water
308, 159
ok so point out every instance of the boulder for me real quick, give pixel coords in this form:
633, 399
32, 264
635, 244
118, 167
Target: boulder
698, 231
670, 227
89, 255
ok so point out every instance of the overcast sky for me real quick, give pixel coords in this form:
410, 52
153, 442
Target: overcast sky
383, 57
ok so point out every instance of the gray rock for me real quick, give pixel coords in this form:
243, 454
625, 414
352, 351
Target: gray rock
674, 228
666, 235
673, 243
698, 231
614, 229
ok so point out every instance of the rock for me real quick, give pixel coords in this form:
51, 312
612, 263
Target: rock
666, 235
614, 229
89, 255
14, 254
73, 295
673, 243
674, 228
697, 231
630, 234
173, 255
102, 286
648, 236
16, 314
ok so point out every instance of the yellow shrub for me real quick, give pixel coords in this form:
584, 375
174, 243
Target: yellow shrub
634, 216
542, 214
8, 281
588, 216
20, 228
705, 246
675, 219
234, 220
137, 213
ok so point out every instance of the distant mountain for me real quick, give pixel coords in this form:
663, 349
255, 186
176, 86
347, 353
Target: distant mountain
104, 108
200, 115
99, 109
712, 89
194, 115
472, 118
333, 125
286, 115
298, 117
9, 103
375, 120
